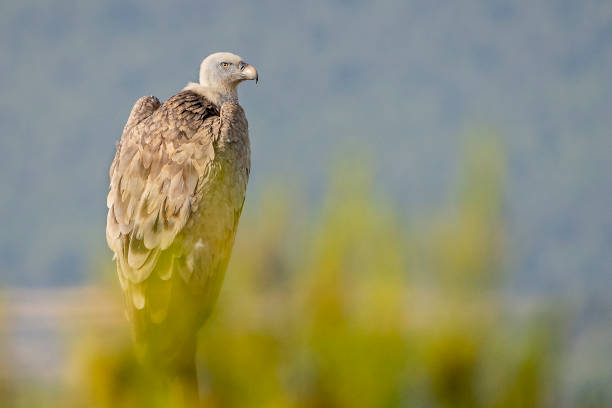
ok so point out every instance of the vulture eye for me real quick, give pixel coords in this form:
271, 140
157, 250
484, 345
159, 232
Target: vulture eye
225, 64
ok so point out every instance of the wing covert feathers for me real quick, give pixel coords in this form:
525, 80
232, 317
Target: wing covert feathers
172, 169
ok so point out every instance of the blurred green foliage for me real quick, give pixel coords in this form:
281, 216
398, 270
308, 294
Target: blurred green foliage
345, 306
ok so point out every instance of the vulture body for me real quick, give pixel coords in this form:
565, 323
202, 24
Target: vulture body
177, 187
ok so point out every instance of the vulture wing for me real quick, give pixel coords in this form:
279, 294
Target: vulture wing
163, 160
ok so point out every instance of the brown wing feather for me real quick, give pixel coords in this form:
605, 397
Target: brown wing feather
177, 187
153, 180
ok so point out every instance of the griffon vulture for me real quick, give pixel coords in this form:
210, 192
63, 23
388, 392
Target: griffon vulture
177, 186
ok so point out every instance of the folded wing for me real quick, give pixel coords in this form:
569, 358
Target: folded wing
163, 158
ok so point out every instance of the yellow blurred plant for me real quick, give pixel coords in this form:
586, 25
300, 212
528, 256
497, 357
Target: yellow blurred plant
346, 307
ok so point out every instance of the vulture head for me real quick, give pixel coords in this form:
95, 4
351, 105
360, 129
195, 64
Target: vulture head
220, 74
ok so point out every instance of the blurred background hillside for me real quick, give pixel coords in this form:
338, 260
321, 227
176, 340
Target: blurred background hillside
401, 79
412, 88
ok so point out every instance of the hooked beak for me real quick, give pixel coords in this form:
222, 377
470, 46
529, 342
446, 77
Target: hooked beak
250, 73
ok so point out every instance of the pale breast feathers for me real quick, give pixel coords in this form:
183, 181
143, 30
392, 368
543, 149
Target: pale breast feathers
162, 159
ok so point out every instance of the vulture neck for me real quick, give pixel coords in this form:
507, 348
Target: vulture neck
217, 96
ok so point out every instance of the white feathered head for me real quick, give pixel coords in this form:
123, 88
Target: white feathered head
220, 74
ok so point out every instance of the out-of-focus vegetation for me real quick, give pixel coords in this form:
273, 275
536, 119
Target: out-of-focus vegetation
350, 305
